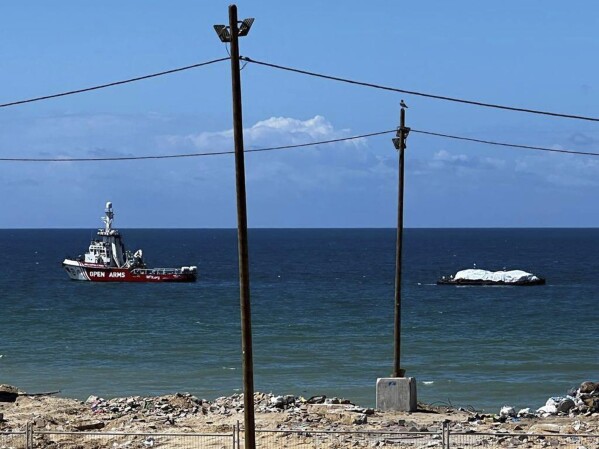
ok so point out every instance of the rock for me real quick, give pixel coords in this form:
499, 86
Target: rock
278, 401
553, 428
588, 387
346, 417
507, 411
89, 425
565, 406
554, 401
547, 410
92, 399
316, 400
40, 422
525, 413
8, 393
592, 403
360, 419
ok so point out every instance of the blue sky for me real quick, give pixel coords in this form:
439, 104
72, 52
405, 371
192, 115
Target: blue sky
534, 54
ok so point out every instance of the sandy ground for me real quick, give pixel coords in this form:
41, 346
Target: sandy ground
185, 413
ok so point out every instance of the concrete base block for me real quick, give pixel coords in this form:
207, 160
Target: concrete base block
396, 393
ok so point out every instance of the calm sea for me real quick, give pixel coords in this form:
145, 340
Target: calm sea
322, 305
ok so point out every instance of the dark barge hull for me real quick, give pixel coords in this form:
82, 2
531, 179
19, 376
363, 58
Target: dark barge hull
540, 281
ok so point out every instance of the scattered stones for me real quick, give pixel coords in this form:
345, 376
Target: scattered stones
183, 405
183, 412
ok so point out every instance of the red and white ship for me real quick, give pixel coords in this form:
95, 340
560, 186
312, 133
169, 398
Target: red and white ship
108, 261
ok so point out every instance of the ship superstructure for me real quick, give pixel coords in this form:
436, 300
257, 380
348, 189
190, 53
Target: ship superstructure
107, 260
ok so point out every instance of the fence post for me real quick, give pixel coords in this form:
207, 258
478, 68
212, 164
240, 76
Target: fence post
238, 431
445, 429
29, 435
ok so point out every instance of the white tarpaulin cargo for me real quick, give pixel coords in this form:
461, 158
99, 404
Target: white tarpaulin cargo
508, 277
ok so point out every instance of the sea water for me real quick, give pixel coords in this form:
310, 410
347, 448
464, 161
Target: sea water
322, 315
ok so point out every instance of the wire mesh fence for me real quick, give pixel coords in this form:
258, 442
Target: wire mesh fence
299, 439
116, 440
13, 440
444, 439
295, 439
465, 440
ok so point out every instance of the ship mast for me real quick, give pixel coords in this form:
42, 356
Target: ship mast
108, 218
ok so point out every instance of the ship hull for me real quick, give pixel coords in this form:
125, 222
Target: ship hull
539, 281
81, 271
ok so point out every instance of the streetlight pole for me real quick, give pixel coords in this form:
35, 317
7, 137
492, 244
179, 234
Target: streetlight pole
398, 392
231, 34
400, 145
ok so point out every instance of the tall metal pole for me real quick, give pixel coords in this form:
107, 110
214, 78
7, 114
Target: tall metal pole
242, 240
400, 144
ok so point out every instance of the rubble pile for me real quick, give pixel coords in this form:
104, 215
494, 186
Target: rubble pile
583, 400
182, 405
576, 413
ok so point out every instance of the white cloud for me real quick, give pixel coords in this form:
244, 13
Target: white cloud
274, 131
461, 163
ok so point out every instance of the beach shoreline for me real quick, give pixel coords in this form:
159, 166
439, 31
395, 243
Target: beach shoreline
183, 412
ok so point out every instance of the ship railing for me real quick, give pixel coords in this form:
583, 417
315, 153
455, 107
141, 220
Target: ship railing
158, 271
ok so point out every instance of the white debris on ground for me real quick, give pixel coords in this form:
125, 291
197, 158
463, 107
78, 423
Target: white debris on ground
583, 400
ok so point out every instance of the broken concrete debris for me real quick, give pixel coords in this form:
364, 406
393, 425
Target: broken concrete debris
583, 400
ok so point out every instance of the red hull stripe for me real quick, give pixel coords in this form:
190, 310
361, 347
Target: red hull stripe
125, 275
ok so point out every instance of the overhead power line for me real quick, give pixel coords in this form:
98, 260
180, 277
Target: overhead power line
420, 94
503, 144
175, 156
115, 83
300, 145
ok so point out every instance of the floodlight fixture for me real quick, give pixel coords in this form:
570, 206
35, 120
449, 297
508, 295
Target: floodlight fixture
397, 140
246, 24
223, 33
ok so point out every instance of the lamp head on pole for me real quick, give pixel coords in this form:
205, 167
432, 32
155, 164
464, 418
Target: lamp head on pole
224, 32
245, 26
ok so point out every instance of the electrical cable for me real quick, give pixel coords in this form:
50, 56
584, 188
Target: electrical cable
300, 145
421, 94
503, 144
174, 156
115, 83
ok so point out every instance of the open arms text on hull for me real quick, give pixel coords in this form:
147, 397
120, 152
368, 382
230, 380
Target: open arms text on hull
107, 261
